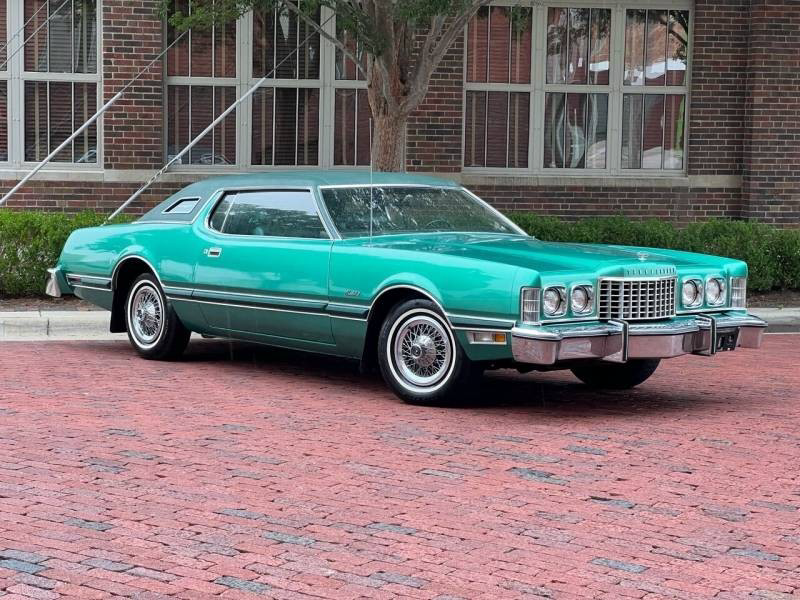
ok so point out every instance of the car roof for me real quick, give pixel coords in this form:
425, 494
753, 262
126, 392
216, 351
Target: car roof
309, 178
294, 178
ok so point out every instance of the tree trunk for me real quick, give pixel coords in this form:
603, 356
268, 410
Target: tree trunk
389, 142
388, 91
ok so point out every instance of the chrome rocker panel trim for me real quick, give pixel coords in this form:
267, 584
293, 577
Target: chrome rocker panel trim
618, 341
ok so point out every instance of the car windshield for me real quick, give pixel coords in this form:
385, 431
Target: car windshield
398, 209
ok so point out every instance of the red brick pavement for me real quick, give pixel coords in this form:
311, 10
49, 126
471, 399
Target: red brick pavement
241, 471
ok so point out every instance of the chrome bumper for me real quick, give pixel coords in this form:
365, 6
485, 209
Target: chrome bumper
619, 341
52, 286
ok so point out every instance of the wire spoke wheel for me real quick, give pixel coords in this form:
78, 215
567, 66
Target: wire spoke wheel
422, 351
146, 315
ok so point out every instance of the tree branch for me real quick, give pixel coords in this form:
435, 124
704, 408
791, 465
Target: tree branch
332, 38
433, 50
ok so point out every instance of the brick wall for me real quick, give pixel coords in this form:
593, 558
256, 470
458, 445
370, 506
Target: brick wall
771, 173
75, 196
133, 126
745, 98
719, 87
434, 130
680, 204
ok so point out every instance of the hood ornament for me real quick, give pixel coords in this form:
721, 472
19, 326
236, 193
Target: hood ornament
642, 256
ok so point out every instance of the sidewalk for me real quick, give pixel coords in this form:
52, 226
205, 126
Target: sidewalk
56, 325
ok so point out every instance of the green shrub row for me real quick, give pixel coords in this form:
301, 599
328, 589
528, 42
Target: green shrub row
773, 255
30, 242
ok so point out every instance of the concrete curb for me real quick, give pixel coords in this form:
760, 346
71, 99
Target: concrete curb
56, 325
67, 325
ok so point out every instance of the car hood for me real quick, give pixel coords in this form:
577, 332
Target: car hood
549, 257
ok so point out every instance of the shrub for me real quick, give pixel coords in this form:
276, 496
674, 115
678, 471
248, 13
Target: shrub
30, 242
772, 255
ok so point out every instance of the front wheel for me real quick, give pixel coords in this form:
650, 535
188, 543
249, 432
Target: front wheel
614, 376
153, 327
419, 356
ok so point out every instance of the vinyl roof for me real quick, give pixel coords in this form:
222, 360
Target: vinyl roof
294, 178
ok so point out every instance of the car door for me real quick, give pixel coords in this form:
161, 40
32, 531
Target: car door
263, 271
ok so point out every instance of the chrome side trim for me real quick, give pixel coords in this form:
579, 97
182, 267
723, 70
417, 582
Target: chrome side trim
79, 277
504, 322
91, 287
320, 313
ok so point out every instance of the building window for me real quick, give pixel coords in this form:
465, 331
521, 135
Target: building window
312, 110
201, 84
53, 82
654, 97
285, 109
351, 111
497, 102
607, 88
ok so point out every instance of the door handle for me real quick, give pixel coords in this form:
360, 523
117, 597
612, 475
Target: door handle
212, 252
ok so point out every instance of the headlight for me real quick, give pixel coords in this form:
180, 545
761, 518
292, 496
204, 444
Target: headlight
554, 301
581, 299
738, 292
715, 291
692, 293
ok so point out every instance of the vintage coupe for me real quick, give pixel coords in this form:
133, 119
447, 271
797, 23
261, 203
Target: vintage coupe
414, 274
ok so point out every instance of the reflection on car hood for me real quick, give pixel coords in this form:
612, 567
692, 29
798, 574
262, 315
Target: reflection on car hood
541, 256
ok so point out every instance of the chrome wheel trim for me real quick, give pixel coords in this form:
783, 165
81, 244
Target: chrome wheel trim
145, 314
421, 351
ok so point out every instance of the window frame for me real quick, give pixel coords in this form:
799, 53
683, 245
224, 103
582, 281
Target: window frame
220, 195
615, 90
16, 76
327, 84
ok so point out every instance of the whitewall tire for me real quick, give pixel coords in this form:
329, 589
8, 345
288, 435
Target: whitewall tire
420, 358
154, 329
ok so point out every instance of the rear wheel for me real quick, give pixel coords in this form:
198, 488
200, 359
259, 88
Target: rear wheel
419, 356
616, 376
153, 327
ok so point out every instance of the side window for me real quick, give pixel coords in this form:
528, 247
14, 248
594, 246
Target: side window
286, 213
220, 214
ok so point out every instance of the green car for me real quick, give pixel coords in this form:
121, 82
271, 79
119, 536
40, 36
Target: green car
411, 274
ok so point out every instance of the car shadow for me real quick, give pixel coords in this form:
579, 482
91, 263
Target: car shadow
554, 393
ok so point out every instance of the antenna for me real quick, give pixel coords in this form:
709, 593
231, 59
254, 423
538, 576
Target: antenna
371, 188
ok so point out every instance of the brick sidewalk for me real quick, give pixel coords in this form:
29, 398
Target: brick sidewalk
289, 476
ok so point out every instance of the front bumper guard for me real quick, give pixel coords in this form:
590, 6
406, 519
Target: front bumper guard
52, 286
620, 341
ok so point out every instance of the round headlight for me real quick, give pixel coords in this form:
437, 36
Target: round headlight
692, 293
552, 301
715, 291
581, 299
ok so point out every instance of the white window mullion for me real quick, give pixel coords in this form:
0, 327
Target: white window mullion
16, 88
244, 72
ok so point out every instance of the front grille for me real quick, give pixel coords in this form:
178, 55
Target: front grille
637, 299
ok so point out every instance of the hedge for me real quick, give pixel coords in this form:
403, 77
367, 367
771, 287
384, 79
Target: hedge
773, 255
30, 242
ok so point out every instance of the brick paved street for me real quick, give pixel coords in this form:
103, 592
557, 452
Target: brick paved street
244, 471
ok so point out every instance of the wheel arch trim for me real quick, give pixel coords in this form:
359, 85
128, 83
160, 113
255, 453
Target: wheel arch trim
411, 287
126, 258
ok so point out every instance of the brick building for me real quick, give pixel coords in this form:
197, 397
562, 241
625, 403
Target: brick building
677, 109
